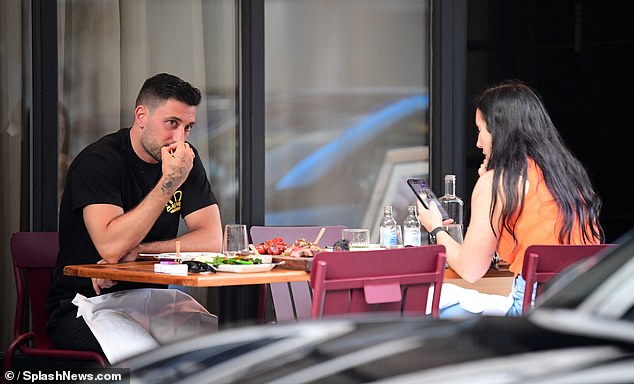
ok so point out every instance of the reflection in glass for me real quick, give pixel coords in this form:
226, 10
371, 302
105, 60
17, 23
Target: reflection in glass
13, 104
346, 109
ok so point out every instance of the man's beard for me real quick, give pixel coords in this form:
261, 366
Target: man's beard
154, 151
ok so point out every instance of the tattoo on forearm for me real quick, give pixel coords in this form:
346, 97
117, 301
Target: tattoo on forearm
167, 186
178, 173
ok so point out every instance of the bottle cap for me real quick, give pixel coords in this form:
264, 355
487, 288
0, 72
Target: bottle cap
450, 177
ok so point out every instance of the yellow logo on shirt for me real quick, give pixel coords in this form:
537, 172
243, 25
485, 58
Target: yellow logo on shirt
174, 205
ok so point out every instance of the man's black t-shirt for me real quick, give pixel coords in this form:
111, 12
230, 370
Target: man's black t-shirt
109, 172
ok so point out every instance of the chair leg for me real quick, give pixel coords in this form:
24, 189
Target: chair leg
262, 300
8, 356
6, 365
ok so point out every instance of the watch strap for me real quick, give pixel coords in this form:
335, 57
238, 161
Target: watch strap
435, 231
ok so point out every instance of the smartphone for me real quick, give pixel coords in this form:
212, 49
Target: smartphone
425, 195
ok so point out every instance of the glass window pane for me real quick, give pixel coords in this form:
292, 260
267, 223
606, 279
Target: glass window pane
107, 48
13, 103
12, 122
346, 109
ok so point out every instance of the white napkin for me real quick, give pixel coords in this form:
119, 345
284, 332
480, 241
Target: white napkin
471, 300
130, 322
119, 335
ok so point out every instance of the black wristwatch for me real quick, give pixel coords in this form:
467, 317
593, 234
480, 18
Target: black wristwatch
434, 232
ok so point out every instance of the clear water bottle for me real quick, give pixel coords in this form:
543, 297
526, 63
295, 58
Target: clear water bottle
411, 228
452, 204
388, 235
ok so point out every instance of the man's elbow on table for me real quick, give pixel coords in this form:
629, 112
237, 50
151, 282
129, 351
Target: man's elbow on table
112, 255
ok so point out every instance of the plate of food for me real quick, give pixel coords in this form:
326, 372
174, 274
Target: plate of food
187, 256
244, 268
238, 263
299, 255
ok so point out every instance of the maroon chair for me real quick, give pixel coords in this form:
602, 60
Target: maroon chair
394, 280
543, 262
34, 255
291, 301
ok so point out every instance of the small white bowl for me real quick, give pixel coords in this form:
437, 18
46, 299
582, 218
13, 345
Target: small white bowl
266, 259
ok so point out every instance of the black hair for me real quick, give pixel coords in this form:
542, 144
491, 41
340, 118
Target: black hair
520, 129
159, 88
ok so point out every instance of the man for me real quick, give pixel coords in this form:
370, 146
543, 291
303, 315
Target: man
124, 195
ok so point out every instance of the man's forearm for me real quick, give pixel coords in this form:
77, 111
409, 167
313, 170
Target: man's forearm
205, 234
124, 232
189, 242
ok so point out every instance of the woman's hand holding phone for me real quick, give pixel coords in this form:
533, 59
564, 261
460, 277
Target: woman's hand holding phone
431, 217
425, 195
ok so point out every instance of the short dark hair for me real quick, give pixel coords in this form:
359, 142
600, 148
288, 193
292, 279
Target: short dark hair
159, 88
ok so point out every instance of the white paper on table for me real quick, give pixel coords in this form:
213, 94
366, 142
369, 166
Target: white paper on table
130, 322
471, 300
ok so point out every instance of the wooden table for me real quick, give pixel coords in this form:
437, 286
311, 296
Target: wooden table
143, 272
242, 297
495, 281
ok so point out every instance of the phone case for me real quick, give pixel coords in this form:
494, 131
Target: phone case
425, 195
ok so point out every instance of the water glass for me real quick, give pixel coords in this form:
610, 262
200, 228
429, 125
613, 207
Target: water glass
357, 238
235, 239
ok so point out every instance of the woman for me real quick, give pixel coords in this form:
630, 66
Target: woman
531, 189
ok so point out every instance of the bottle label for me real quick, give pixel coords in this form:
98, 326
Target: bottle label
389, 238
411, 236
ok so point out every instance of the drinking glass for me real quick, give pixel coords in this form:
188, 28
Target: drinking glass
235, 239
357, 238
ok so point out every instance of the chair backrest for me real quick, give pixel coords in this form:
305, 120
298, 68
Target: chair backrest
543, 262
292, 301
394, 280
34, 256
332, 233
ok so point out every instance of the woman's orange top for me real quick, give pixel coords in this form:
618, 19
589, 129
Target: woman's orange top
539, 223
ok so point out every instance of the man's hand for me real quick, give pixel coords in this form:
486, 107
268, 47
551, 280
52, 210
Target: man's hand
97, 284
178, 161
